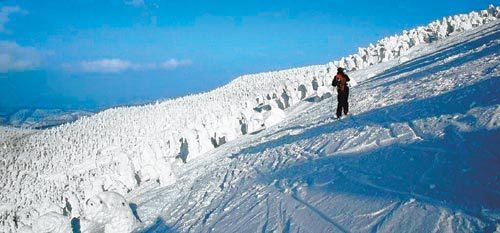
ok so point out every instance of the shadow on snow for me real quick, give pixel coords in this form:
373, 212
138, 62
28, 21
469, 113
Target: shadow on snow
159, 226
459, 170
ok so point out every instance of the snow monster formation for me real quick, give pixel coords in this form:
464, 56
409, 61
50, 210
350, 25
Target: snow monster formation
49, 174
106, 212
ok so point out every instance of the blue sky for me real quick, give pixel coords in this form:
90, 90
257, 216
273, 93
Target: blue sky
97, 54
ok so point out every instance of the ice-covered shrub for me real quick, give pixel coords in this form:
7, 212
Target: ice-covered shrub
110, 210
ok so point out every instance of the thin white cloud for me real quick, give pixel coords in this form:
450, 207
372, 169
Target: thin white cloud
5, 12
14, 57
135, 3
101, 66
173, 63
115, 65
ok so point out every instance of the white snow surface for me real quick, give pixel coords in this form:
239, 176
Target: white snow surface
418, 152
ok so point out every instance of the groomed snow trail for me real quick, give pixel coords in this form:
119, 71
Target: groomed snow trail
419, 153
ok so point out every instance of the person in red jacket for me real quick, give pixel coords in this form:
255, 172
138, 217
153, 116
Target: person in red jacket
340, 81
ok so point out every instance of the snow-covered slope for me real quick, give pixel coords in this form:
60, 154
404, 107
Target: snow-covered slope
418, 154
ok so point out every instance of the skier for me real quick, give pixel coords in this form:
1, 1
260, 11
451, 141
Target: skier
340, 81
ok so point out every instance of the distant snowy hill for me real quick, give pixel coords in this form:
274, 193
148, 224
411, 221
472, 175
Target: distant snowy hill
417, 154
39, 118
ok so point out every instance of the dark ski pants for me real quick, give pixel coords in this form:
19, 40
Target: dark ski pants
343, 105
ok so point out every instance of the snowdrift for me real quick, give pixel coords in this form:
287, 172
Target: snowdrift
165, 153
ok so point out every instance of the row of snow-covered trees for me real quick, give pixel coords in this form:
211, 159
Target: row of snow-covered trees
120, 148
395, 46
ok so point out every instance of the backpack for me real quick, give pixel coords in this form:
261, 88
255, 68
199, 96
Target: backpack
340, 82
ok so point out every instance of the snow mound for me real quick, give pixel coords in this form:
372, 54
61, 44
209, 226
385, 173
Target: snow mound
107, 211
111, 210
51, 222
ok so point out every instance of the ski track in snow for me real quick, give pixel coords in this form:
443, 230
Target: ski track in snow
417, 153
